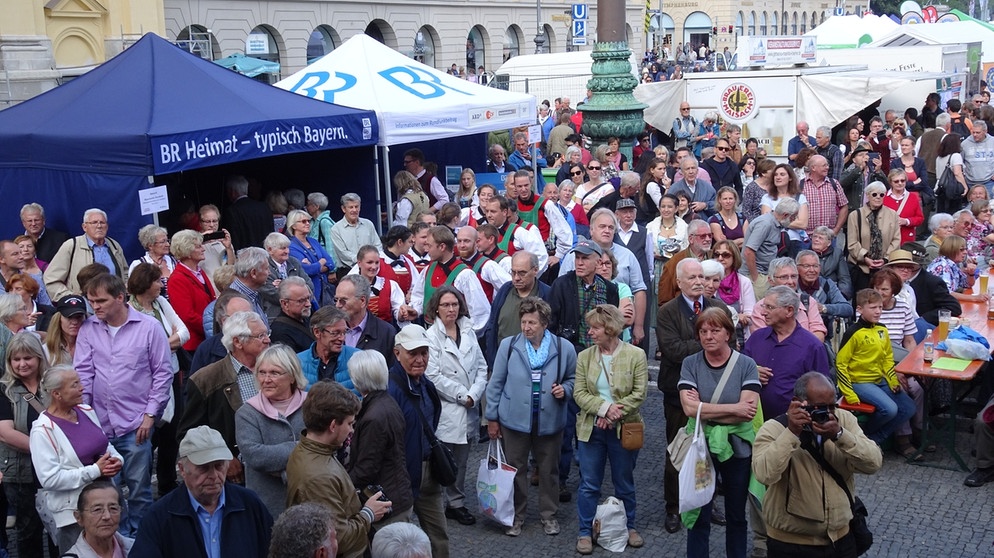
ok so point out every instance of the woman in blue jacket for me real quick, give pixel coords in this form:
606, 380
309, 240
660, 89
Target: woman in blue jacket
317, 263
526, 405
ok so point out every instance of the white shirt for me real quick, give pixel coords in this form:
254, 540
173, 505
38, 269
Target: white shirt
437, 190
469, 285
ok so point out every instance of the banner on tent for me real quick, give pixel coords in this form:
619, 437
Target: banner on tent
205, 148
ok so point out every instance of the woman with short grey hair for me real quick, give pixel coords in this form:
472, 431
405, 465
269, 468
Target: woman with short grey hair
941, 226
268, 425
155, 240
376, 454
403, 540
191, 290
13, 312
831, 255
316, 262
317, 207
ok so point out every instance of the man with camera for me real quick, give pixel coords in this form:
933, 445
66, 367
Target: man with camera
806, 511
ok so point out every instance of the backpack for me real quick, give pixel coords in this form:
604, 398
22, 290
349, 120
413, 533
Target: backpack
959, 128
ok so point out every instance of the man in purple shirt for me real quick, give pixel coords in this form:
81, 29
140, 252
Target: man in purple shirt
783, 350
122, 357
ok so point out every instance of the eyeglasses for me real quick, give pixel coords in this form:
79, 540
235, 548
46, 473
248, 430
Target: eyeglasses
770, 306
604, 264
260, 336
703, 235
787, 277
271, 373
160, 242
96, 223
684, 108
298, 300
517, 273
335, 334
723, 148
612, 153
210, 221
807, 266
593, 168
722, 255
112, 509
577, 173
898, 181
342, 299
408, 161
308, 221
876, 195
448, 305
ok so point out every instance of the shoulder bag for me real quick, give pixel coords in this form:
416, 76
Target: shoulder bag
948, 186
678, 448
857, 525
441, 460
631, 434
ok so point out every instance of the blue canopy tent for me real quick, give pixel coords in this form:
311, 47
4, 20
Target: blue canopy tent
156, 111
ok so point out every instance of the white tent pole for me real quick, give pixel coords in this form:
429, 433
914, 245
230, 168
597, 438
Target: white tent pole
376, 186
385, 161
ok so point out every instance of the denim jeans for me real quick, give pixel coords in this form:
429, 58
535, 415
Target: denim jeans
30, 531
604, 445
137, 476
569, 436
735, 478
893, 409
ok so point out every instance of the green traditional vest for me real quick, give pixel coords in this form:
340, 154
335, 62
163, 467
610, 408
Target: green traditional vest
508, 239
438, 272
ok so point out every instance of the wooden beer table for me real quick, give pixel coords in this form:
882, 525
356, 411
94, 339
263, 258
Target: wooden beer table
915, 365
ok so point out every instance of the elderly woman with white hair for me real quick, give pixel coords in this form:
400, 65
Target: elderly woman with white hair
873, 233
191, 289
281, 266
155, 240
377, 454
314, 259
14, 313
941, 226
217, 250
68, 450
708, 132
573, 158
832, 256
268, 425
317, 207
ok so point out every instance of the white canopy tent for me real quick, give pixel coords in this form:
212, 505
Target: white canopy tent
413, 102
949, 33
821, 96
851, 31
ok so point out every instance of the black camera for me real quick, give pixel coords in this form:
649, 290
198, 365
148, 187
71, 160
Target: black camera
820, 416
372, 489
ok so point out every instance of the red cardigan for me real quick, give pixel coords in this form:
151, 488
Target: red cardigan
189, 297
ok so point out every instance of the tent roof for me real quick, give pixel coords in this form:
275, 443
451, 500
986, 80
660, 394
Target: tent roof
413, 102
155, 109
949, 33
248, 65
846, 31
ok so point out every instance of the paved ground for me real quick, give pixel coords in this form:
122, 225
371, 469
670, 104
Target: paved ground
914, 511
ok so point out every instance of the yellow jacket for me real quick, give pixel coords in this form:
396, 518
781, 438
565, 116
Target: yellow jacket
865, 356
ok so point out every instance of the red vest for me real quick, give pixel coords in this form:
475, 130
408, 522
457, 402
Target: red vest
379, 300
531, 212
477, 262
401, 274
506, 241
441, 274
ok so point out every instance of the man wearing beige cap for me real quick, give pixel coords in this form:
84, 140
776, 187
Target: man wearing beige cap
206, 517
418, 399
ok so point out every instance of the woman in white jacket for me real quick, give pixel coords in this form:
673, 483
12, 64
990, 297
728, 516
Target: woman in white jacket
68, 450
457, 368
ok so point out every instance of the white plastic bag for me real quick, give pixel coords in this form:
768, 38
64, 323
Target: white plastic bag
697, 477
611, 525
495, 486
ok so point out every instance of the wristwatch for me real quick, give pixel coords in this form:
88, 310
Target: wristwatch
839, 435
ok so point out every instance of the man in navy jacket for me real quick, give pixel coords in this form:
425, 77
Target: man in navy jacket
174, 527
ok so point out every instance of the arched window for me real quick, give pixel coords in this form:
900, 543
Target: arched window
752, 23
793, 25
774, 28
322, 41
476, 54
198, 40
264, 43
424, 46
738, 24
762, 23
512, 42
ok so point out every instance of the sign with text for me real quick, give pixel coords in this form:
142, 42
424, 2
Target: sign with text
776, 51
257, 43
153, 200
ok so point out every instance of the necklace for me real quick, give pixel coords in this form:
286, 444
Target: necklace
665, 228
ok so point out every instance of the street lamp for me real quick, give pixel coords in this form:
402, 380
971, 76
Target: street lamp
539, 36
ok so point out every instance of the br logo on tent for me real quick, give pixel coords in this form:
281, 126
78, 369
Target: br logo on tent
411, 79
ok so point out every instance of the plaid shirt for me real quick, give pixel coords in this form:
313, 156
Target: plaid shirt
589, 297
825, 200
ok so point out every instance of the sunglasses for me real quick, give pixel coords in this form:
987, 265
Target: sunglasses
722, 255
723, 148
577, 173
593, 168
877, 195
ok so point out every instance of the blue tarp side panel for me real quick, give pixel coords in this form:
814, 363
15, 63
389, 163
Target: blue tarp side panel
204, 148
64, 207
103, 121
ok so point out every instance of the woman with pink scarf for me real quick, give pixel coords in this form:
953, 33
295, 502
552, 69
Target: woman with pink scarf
735, 289
268, 426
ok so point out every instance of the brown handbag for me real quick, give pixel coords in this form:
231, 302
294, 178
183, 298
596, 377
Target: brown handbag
632, 435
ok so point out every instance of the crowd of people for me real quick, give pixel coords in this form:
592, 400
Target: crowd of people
285, 365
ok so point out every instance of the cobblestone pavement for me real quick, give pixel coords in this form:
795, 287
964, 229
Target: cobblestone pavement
914, 511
